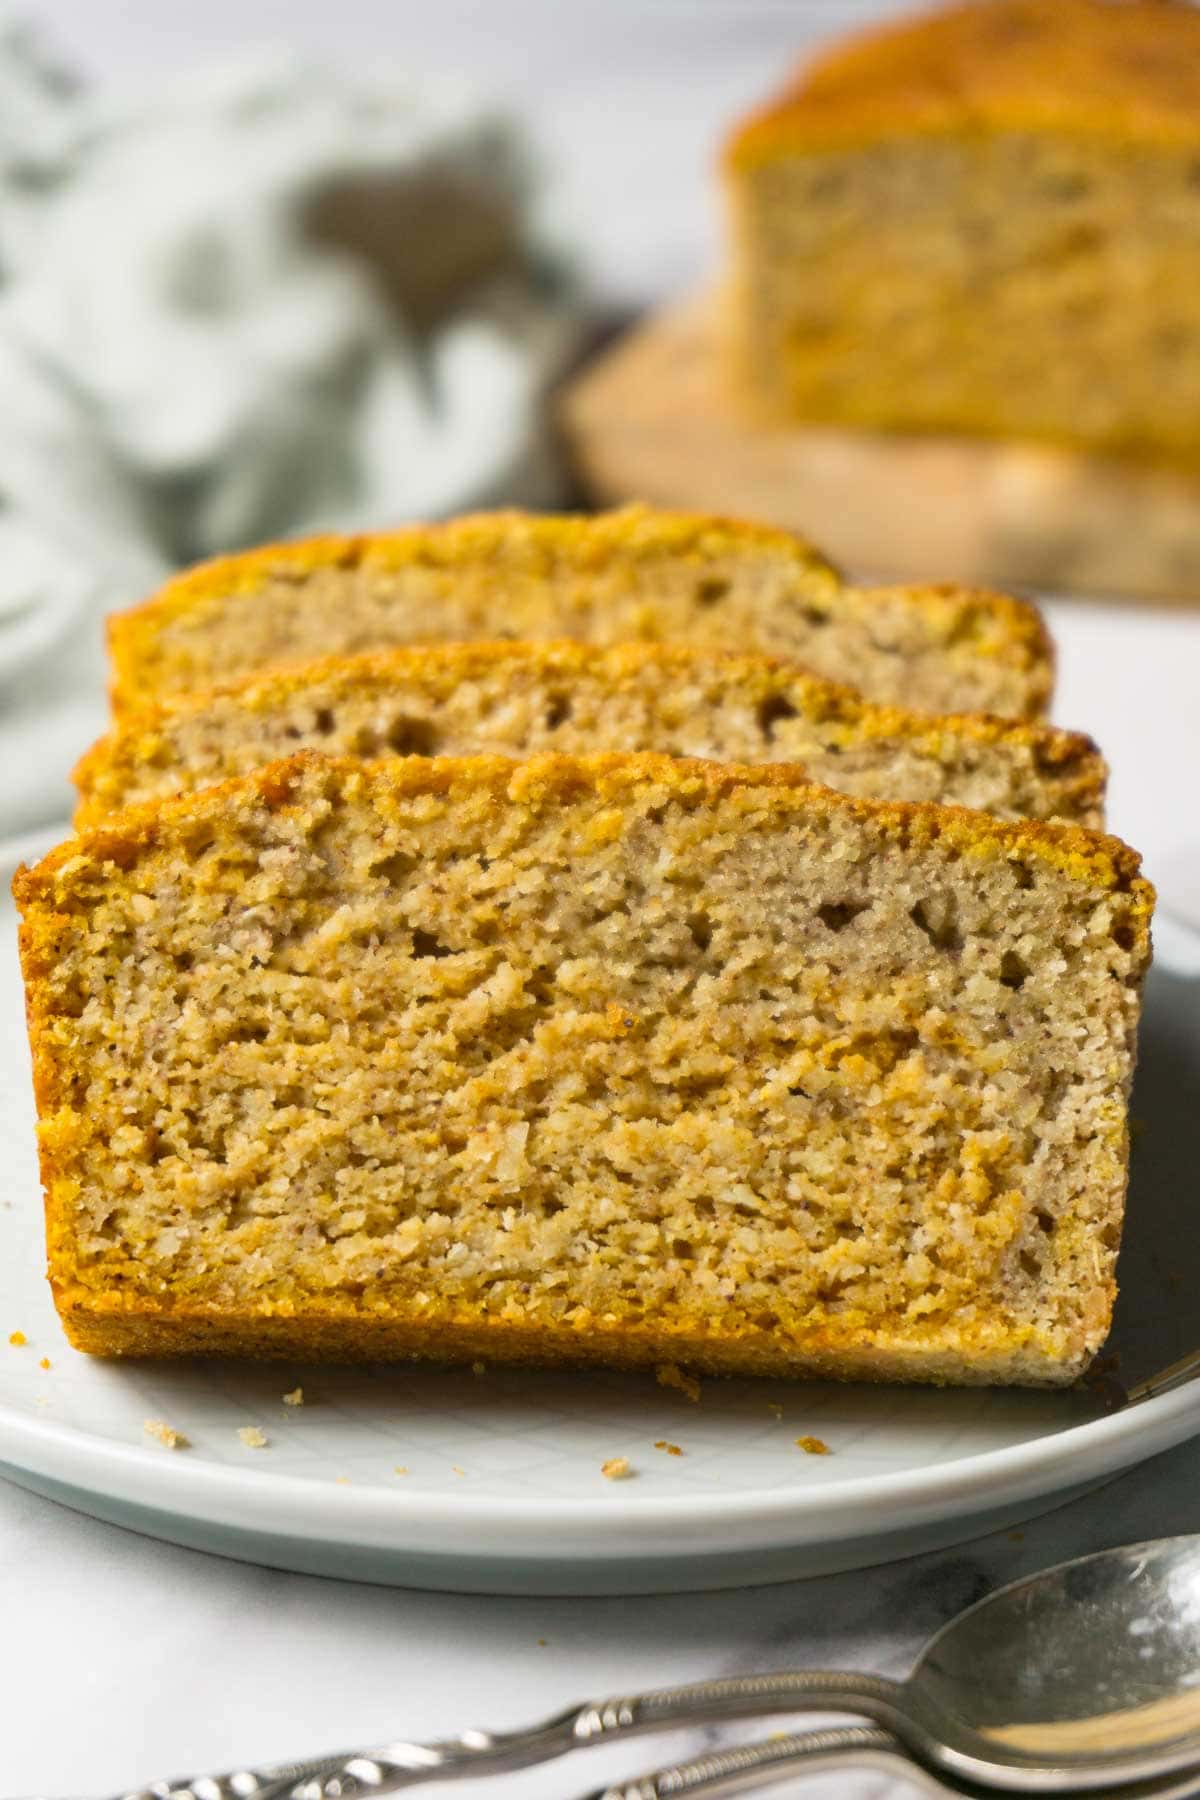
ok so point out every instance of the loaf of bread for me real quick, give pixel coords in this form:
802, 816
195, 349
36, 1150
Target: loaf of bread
517, 699
985, 220
615, 1059
633, 574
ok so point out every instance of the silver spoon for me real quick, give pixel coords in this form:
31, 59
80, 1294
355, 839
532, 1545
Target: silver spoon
1086, 1675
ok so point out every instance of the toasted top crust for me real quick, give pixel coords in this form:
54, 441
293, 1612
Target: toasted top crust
1125, 69
310, 781
592, 540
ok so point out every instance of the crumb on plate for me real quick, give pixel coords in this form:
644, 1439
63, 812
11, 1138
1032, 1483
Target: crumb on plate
671, 1449
165, 1434
813, 1446
295, 1397
252, 1437
617, 1468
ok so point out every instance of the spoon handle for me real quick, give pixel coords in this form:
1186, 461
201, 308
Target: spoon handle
394, 1766
390, 1767
751, 1766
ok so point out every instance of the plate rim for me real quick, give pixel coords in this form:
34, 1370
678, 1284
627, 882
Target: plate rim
611, 1526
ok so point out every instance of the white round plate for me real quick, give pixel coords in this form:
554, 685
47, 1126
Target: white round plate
502, 1489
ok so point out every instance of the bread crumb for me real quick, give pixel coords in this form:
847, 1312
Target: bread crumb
671, 1449
455, 1470
617, 1468
773, 1406
45, 1363
165, 1434
342, 1480
542, 1641
478, 1368
399, 1469
813, 1446
252, 1437
1016, 1537
17, 1339
295, 1398
669, 1375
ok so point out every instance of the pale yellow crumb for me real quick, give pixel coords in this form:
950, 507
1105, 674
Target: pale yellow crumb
45, 1363
17, 1339
478, 1368
617, 1468
456, 1470
295, 1398
342, 1480
399, 1469
813, 1446
165, 1434
671, 1449
252, 1437
669, 1375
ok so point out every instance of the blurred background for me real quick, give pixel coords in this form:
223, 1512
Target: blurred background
627, 98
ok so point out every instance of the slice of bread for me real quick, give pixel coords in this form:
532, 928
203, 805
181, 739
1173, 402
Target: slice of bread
518, 699
633, 574
984, 220
616, 1059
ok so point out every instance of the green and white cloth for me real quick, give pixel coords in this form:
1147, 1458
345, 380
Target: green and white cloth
248, 305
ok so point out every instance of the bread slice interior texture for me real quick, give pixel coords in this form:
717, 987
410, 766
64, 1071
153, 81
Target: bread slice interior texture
619, 1059
519, 699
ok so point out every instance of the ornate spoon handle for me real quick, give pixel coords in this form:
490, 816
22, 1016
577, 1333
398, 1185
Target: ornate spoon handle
752, 1766
399, 1765
390, 1767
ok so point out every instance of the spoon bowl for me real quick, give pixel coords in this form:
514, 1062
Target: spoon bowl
1087, 1671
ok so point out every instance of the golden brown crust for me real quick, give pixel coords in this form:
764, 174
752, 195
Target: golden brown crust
593, 541
1127, 69
136, 736
126, 1325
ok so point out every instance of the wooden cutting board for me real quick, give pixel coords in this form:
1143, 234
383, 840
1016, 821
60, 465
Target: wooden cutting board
649, 420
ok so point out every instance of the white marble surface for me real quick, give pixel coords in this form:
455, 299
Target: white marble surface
121, 1659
